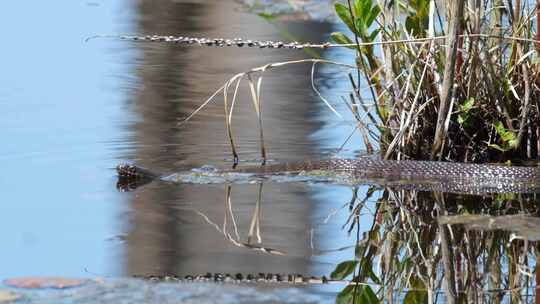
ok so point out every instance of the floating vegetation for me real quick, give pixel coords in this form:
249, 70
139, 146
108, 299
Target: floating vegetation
221, 42
264, 278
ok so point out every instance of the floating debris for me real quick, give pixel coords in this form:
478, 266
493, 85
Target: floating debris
220, 42
240, 278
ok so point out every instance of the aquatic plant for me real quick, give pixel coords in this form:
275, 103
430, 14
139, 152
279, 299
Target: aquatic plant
455, 81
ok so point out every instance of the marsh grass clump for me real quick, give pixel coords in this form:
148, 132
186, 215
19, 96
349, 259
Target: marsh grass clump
454, 81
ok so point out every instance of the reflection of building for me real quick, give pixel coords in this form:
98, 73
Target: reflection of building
166, 235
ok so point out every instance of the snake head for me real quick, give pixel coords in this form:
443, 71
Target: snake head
128, 171
130, 177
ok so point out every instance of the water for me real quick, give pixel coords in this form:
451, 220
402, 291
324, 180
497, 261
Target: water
74, 109
62, 100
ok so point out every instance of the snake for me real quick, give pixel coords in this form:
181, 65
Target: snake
453, 177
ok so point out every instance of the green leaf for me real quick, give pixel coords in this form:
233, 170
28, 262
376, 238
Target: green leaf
366, 269
343, 270
465, 109
374, 13
411, 25
467, 105
366, 7
346, 295
267, 16
462, 119
505, 197
360, 27
417, 296
508, 138
373, 35
360, 8
497, 147
503, 148
504, 133
417, 19
343, 12
341, 38
357, 8
383, 112
364, 295
367, 295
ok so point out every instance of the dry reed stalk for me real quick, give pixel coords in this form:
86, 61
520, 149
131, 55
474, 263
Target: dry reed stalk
256, 98
405, 124
361, 101
359, 126
454, 27
255, 224
229, 212
255, 90
228, 114
254, 230
525, 106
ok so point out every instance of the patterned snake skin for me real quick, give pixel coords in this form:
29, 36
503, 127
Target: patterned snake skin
407, 174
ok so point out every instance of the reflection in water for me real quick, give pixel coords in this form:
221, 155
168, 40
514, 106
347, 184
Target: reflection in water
407, 253
525, 226
166, 235
254, 227
413, 245
291, 9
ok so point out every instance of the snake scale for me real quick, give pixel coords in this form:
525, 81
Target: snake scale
409, 174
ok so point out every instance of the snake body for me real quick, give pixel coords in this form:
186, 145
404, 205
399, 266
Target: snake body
417, 175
